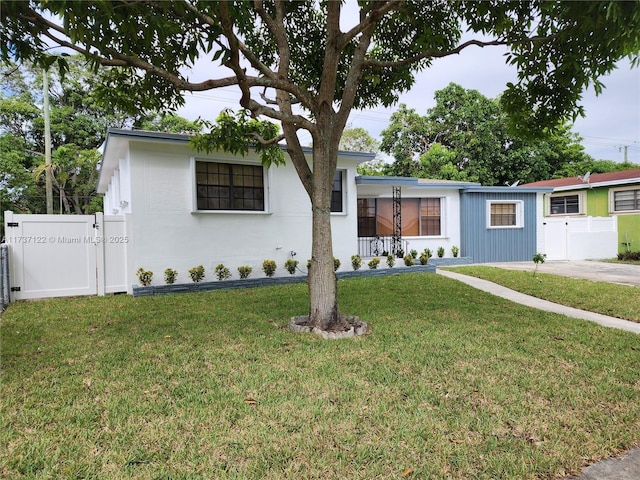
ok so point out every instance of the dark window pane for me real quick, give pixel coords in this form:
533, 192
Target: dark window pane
366, 217
222, 186
564, 205
336, 193
503, 214
430, 216
626, 200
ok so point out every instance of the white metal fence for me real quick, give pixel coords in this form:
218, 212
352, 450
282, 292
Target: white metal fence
580, 238
66, 255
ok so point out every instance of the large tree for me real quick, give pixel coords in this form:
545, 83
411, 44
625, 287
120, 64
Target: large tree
467, 136
306, 66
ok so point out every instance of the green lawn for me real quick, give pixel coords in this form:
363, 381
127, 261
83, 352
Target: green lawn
451, 383
620, 301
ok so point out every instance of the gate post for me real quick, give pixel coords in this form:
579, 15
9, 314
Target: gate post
99, 236
4, 277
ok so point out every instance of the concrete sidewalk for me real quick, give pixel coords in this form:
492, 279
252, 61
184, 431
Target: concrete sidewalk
540, 304
627, 465
624, 467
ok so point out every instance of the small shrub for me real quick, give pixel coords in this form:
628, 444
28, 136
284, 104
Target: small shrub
629, 256
197, 273
309, 264
400, 253
424, 258
291, 265
455, 251
356, 262
538, 258
440, 252
170, 276
269, 267
245, 271
428, 252
373, 263
390, 261
144, 276
336, 264
409, 260
222, 272
385, 253
414, 253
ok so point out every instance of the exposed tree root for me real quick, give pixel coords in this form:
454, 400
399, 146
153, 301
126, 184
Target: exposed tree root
347, 327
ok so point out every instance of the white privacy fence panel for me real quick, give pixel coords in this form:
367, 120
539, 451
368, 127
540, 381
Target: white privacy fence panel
114, 240
580, 238
64, 255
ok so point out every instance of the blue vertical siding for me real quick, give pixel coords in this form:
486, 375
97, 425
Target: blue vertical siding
484, 244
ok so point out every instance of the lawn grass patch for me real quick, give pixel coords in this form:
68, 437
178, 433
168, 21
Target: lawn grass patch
451, 383
621, 301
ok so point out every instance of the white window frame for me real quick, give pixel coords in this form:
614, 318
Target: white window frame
519, 214
582, 201
266, 172
612, 203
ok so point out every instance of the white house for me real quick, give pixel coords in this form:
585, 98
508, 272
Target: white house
184, 208
169, 206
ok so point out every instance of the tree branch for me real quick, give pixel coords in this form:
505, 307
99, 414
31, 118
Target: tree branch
440, 54
121, 60
262, 141
332, 53
354, 77
371, 18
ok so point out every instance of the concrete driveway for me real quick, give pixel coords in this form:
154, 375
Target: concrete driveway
588, 269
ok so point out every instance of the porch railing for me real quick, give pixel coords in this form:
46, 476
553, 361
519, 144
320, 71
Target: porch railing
376, 246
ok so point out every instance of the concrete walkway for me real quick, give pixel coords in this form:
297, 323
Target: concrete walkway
624, 467
540, 304
627, 465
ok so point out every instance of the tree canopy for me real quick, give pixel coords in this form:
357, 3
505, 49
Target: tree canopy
307, 66
466, 136
357, 139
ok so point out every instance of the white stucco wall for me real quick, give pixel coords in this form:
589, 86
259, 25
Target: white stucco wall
540, 224
117, 198
167, 232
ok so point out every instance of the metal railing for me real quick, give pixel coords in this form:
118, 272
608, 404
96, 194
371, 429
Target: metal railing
377, 246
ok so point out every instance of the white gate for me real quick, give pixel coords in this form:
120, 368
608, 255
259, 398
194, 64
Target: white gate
580, 238
65, 255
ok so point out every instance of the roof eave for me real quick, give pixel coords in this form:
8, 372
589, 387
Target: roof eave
412, 182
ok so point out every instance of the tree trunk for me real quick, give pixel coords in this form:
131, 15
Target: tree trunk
323, 285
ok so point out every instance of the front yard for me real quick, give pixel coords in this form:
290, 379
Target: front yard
451, 383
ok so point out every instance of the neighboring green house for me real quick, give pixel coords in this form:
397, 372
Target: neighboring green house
599, 195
